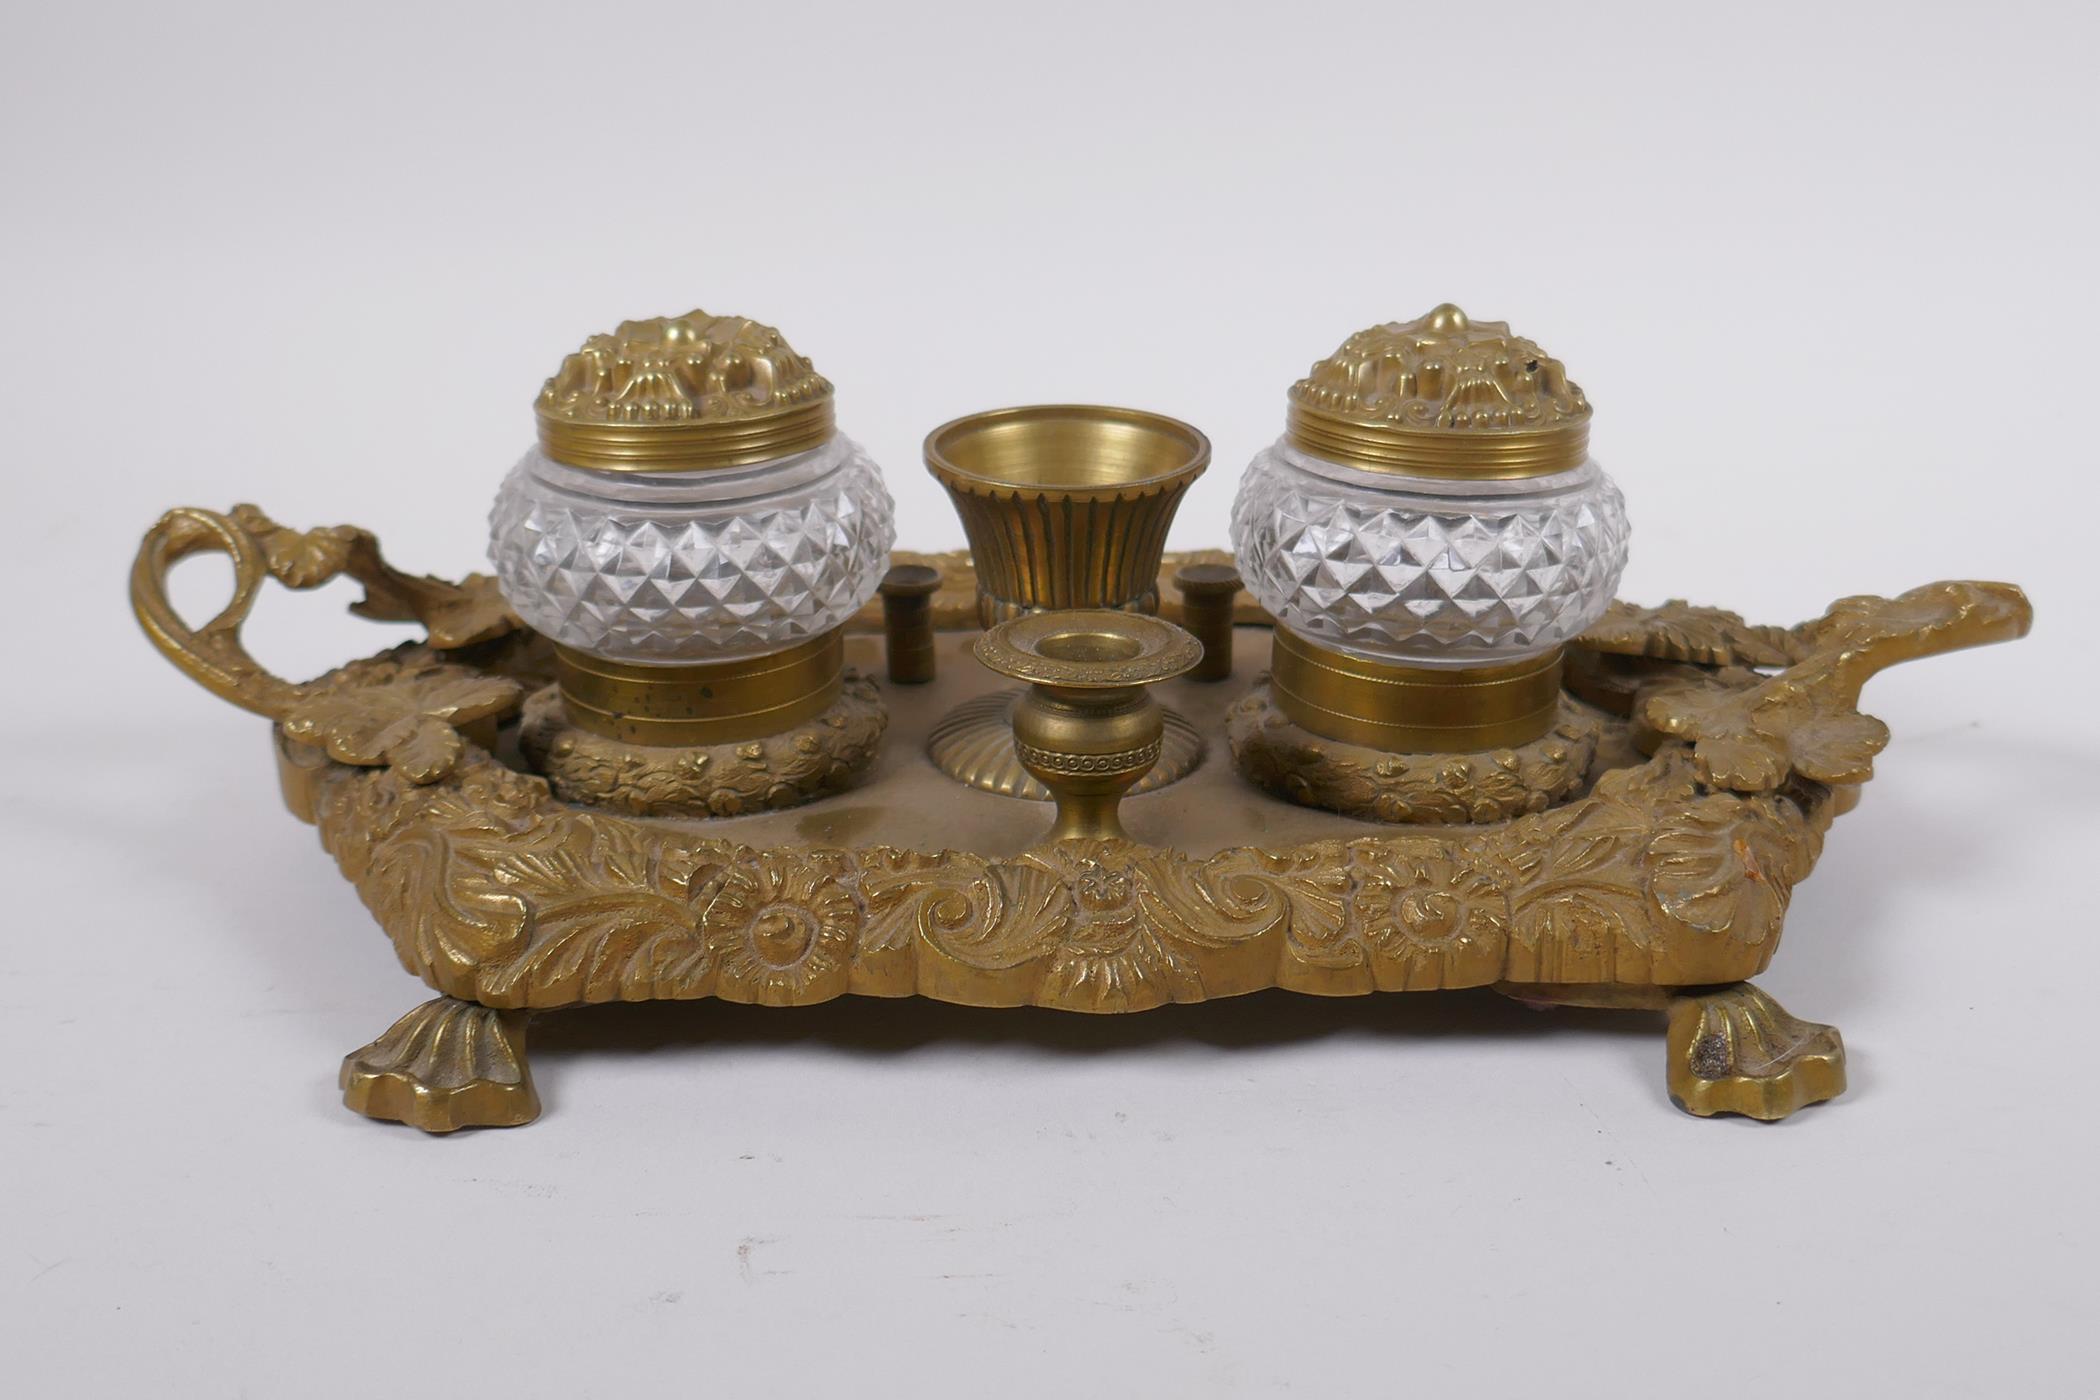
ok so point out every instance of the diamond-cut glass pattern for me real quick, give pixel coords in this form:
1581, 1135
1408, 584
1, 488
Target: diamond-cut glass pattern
695, 567
1369, 563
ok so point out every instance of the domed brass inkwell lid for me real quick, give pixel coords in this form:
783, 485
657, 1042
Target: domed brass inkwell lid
684, 393
1442, 395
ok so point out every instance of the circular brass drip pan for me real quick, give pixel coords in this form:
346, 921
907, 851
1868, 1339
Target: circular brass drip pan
1283, 758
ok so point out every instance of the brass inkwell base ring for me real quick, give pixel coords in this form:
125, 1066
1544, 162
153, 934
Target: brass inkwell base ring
811, 758
1275, 753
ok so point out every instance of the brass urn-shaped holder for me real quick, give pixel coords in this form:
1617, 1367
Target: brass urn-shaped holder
1086, 727
1066, 507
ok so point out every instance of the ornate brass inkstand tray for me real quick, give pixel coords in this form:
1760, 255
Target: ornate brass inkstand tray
682, 751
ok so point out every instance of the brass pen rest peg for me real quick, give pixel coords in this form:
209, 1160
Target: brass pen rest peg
1087, 728
1208, 592
907, 622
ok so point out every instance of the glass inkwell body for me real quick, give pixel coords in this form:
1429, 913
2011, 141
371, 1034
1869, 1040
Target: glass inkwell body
1429, 533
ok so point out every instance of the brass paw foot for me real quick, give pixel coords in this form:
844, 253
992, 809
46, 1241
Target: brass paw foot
447, 1064
1735, 1050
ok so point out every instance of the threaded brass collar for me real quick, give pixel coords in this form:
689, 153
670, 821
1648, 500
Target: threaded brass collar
1383, 447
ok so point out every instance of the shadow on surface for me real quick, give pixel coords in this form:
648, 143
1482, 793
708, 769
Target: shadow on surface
886, 1026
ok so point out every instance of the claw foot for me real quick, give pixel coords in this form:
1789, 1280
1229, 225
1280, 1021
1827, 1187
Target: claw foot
447, 1064
1735, 1050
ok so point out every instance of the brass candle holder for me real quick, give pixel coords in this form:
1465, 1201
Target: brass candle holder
1640, 852
1087, 728
1066, 507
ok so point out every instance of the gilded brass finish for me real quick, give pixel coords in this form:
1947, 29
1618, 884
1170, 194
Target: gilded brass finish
1668, 873
718, 702
415, 718
446, 1065
683, 393
1752, 733
1650, 878
1442, 395
1066, 505
1413, 709
1282, 758
1086, 728
812, 758
907, 622
457, 615
1207, 593
1677, 631
1735, 1050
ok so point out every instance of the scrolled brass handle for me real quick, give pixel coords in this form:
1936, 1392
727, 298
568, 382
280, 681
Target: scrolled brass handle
456, 614
211, 655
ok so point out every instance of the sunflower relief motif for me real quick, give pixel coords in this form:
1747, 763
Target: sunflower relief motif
1434, 916
781, 928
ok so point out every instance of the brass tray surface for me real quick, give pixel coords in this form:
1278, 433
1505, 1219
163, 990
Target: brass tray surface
1722, 752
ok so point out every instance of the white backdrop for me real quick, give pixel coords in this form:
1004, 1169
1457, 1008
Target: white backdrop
1826, 273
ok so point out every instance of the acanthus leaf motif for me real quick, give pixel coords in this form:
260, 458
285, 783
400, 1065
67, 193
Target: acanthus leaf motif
403, 716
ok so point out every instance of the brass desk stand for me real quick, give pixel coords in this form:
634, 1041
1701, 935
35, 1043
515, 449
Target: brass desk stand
1722, 753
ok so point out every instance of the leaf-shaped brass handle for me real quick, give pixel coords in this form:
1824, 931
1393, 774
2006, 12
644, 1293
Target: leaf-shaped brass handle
409, 721
1806, 719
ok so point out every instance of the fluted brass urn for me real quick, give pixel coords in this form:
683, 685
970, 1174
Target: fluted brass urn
1066, 506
